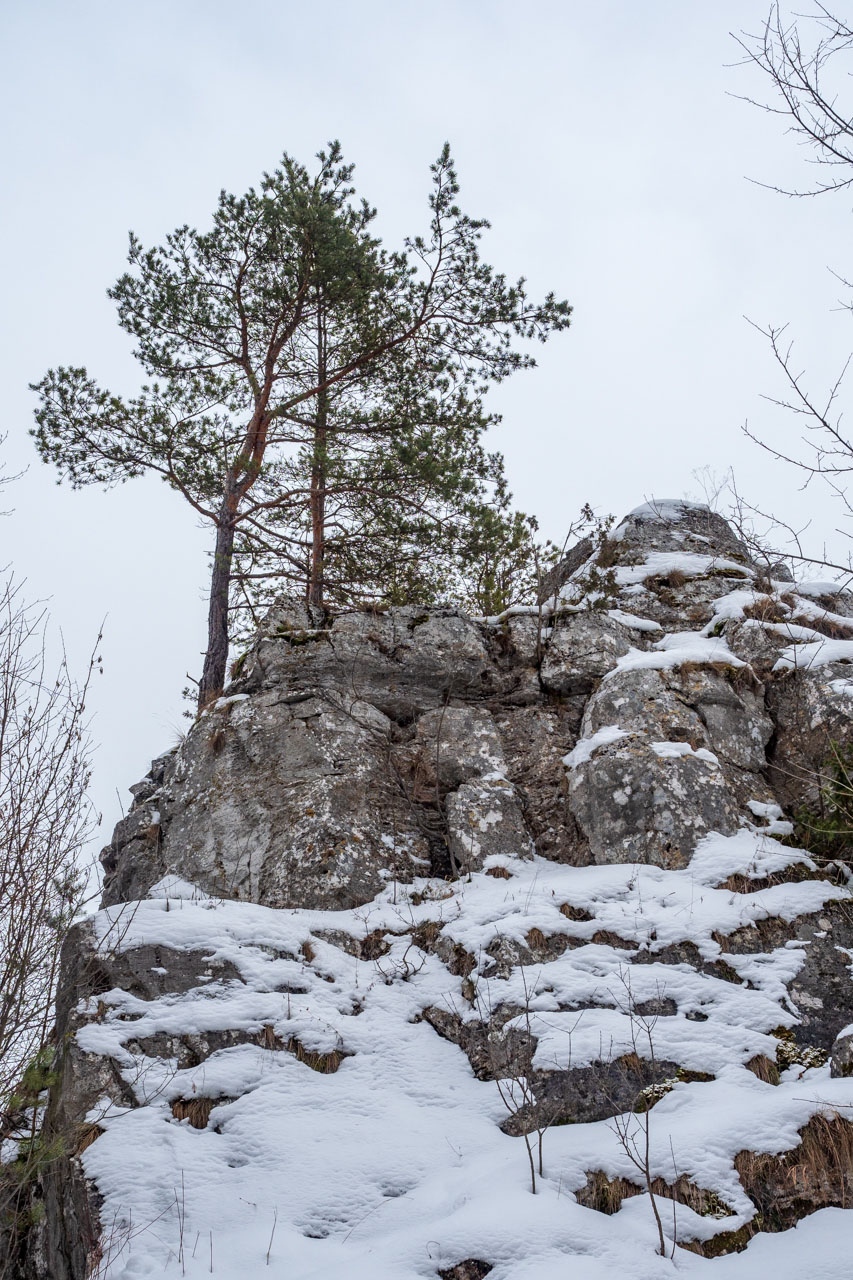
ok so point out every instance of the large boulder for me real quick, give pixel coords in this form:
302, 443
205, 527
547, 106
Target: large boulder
285, 800
635, 803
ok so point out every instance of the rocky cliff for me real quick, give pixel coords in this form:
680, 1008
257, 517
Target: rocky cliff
430, 913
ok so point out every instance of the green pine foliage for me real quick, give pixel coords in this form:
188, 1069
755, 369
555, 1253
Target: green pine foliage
315, 396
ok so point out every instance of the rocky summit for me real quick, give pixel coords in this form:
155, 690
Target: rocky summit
451, 947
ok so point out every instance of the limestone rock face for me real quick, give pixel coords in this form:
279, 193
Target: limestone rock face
597, 790
813, 709
484, 819
373, 747
582, 648
636, 805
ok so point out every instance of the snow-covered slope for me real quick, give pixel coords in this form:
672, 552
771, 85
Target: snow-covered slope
395, 1163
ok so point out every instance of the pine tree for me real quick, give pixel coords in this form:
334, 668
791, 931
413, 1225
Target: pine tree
313, 395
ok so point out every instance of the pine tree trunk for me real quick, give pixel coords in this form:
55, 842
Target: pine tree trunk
318, 522
318, 476
216, 657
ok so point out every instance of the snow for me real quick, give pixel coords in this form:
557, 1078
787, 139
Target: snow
666, 510
221, 703
674, 750
819, 589
690, 563
731, 606
673, 650
634, 623
395, 1164
658, 510
586, 747
817, 653
809, 656
764, 810
775, 822
843, 688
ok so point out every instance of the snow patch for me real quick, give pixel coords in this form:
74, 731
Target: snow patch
584, 749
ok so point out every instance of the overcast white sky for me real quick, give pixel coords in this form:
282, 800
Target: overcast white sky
601, 141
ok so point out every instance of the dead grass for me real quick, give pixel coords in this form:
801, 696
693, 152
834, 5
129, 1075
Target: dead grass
738, 677
374, 945
237, 666
325, 1064
499, 873
536, 939
196, 1110
607, 938
86, 1135
817, 1174
606, 1195
662, 582
762, 1067
267, 1038
578, 914
726, 572
824, 626
738, 883
793, 874
425, 935
766, 609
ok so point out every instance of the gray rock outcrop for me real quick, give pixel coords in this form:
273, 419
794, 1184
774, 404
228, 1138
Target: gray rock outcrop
370, 750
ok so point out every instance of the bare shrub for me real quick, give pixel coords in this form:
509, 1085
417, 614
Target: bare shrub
46, 820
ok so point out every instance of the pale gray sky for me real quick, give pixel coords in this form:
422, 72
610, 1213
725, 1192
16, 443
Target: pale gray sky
599, 139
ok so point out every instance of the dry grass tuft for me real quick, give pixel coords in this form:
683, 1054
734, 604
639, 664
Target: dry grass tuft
738, 883
662, 582
766, 609
499, 873
267, 1038
578, 914
817, 1174
536, 939
86, 1135
374, 945
607, 938
196, 1110
607, 1194
762, 1067
425, 935
325, 1064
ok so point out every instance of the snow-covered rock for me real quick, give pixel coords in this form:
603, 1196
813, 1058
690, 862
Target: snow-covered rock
427, 910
